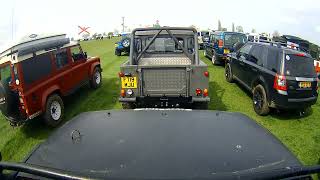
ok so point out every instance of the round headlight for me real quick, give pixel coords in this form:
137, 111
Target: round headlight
129, 92
17, 82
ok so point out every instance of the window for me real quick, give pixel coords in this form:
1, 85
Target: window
211, 38
256, 55
61, 58
36, 68
246, 49
77, 53
299, 66
5, 74
273, 61
164, 45
232, 39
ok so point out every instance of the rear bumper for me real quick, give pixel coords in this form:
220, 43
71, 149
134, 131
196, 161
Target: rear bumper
283, 102
162, 101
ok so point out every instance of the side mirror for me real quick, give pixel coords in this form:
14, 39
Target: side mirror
85, 55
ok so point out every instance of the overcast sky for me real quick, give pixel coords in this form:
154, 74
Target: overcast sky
21, 17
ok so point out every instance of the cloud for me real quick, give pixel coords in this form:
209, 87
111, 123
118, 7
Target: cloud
317, 28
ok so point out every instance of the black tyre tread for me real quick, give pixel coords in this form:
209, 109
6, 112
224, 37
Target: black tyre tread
265, 107
47, 115
229, 70
93, 83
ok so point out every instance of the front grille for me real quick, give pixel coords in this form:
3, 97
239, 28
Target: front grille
164, 82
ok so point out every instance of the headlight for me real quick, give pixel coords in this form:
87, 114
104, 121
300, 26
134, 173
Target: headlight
129, 92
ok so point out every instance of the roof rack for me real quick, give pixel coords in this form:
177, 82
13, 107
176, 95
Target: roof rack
273, 43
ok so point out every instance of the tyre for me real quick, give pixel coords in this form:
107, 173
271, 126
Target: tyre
96, 79
117, 52
260, 102
54, 111
126, 42
215, 59
128, 106
228, 73
200, 105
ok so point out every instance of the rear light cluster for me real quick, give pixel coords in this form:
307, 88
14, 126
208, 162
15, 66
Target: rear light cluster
199, 92
220, 43
128, 92
121, 74
280, 83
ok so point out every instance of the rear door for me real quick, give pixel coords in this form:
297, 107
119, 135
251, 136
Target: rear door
167, 81
300, 74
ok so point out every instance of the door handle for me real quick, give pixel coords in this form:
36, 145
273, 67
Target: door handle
254, 69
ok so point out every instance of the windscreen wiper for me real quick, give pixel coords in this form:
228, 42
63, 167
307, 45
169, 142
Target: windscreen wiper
40, 171
52, 173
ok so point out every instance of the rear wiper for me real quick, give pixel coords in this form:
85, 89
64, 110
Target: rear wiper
36, 170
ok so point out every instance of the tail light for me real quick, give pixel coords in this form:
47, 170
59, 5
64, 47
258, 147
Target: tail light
280, 82
300, 54
206, 74
220, 43
205, 92
198, 91
121, 74
123, 93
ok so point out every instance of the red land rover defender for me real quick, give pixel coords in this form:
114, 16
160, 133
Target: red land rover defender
38, 71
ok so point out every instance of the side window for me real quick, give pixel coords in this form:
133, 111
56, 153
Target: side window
36, 68
5, 74
256, 55
273, 60
76, 53
211, 38
61, 58
216, 38
245, 49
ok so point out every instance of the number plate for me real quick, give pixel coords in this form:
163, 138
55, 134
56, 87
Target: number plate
129, 82
226, 51
305, 84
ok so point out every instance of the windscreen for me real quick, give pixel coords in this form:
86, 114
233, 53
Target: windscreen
299, 66
232, 39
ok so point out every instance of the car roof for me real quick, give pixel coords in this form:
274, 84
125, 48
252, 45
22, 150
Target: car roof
286, 49
227, 32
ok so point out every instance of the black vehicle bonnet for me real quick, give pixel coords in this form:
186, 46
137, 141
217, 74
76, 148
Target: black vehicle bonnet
161, 144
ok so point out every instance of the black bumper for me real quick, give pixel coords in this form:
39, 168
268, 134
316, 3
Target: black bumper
283, 102
168, 102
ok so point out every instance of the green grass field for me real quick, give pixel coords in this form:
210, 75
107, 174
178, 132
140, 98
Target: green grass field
300, 134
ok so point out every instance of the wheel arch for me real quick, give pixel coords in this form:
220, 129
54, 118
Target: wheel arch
50, 91
260, 80
93, 66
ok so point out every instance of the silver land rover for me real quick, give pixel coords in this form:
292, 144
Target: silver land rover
164, 70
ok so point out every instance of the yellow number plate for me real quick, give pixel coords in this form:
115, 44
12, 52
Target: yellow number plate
226, 51
129, 82
305, 84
